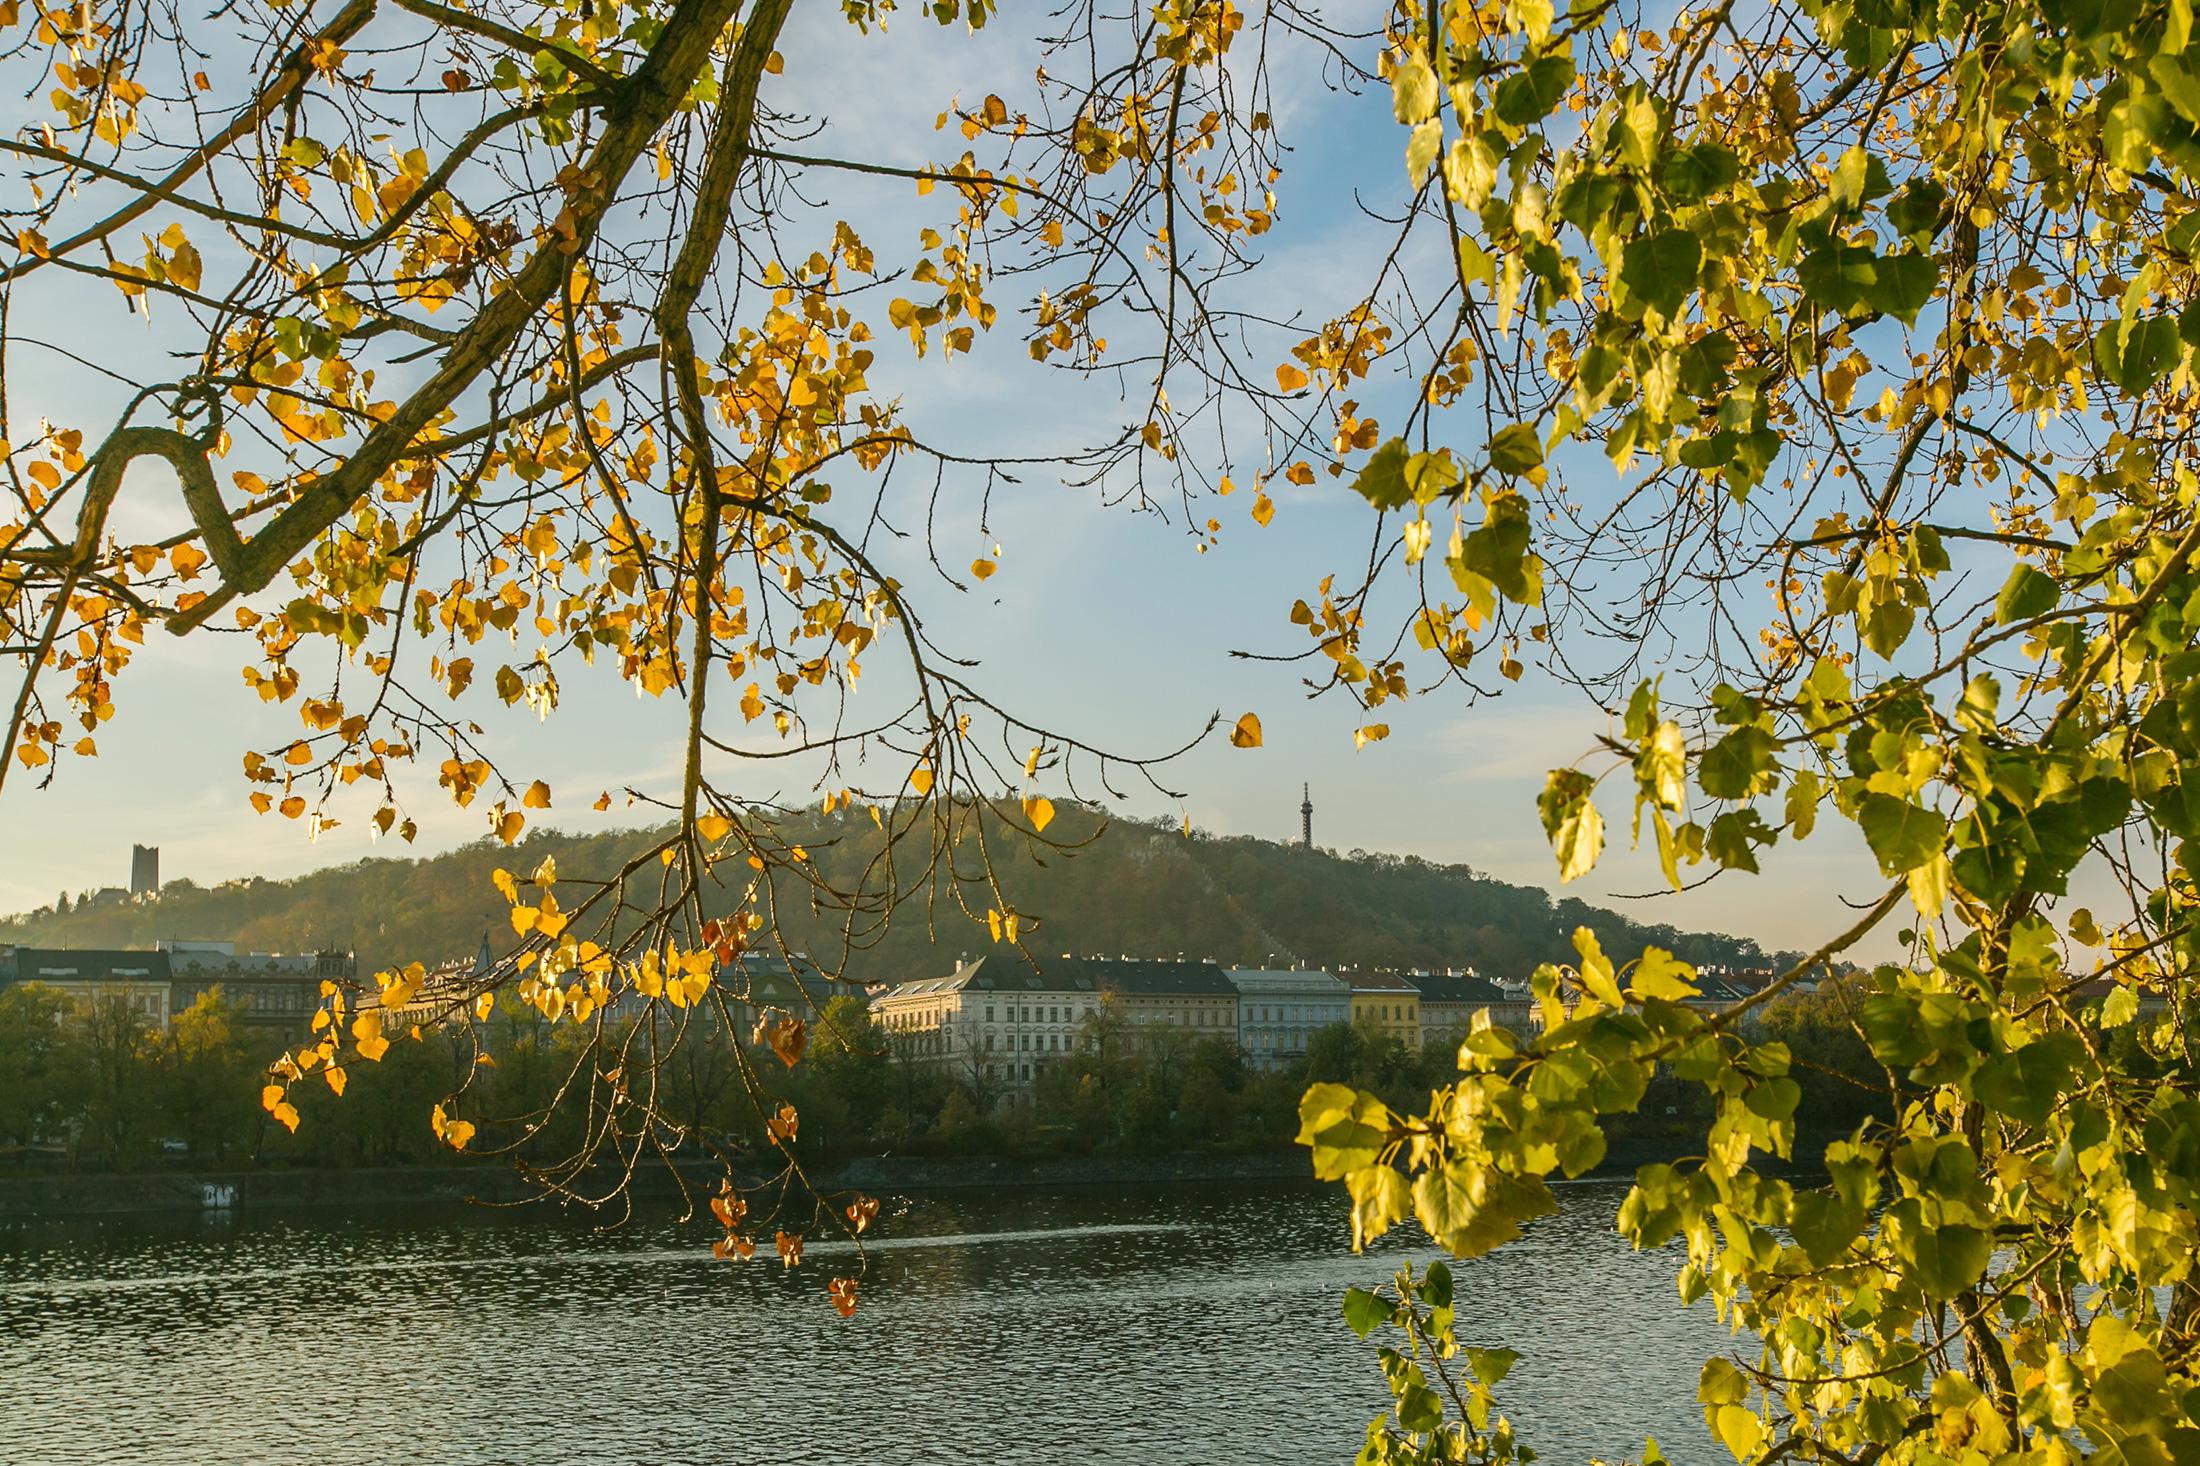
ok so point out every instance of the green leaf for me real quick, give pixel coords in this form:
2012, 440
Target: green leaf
1516, 449
1490, 1366
1739, 1429
1660, 975
2024, 1083
1700, 171
1903, 835
1721, 1383
1735, 764
1420, 1409
1734, 838
1380, 1200
1413, 91
1429, 476
1823, 1226
1528, 96
1915, 212
1890, 1023
1364, 1311
2135, 354
1943, 1260
1498, 551
1571, 821
1383, 481
1661, 271
1346, 1129
1851, 279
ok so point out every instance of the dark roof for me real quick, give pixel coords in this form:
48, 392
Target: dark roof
1005, 970
1442, 987
89, 964
1383, 982
769, 979
1160, 979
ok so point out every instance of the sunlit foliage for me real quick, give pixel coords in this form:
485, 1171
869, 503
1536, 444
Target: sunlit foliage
1885, 314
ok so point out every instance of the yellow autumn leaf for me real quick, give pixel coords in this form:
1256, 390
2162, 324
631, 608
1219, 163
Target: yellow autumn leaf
288, 1114
920, 779
334, 1074
537, 795
1039, 810
1247, 732
713, 827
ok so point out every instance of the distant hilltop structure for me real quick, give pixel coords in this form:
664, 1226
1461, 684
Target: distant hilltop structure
144, 870
1306, 816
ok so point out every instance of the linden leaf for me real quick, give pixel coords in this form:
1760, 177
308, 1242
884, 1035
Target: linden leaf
789, 1038
1247, 732
1039, 810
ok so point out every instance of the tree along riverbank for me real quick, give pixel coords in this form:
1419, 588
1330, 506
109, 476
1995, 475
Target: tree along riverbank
32, 1197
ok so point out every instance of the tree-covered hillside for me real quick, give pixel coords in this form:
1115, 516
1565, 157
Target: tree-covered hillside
1137, 889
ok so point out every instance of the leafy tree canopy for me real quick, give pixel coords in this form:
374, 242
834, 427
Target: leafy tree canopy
1883, 311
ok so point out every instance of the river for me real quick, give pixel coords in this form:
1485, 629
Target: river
1188, 1324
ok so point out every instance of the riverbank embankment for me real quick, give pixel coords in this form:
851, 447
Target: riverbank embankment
62, 1194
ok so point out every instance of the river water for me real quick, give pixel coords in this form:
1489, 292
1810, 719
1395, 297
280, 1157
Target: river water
1187, 1324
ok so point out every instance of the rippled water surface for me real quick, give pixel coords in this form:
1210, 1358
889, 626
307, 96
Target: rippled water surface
1166, 1325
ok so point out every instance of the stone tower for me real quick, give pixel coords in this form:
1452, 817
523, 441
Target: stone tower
144, 870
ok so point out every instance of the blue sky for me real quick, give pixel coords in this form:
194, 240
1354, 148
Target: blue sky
1102, 622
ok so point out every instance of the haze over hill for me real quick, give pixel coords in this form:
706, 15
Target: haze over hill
1138, 889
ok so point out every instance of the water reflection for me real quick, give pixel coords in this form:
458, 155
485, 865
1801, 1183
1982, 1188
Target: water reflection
1182, 1324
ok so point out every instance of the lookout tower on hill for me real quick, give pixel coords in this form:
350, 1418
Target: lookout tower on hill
1306, 816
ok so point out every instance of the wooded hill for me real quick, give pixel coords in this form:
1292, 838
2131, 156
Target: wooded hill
1138, 889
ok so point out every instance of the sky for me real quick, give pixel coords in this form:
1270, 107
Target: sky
1101, 622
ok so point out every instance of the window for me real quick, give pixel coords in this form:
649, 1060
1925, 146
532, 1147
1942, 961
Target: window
1053, 1043
1027, 1071
1027, 1015
989, 1013
989, 1049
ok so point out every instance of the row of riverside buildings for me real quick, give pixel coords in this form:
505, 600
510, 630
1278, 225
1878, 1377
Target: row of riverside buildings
999, 1021
279, 990
996, 1023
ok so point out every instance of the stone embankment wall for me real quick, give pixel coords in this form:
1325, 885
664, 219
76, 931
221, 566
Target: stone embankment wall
23, 1197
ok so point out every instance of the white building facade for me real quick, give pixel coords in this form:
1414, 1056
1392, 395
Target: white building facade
994, 1024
